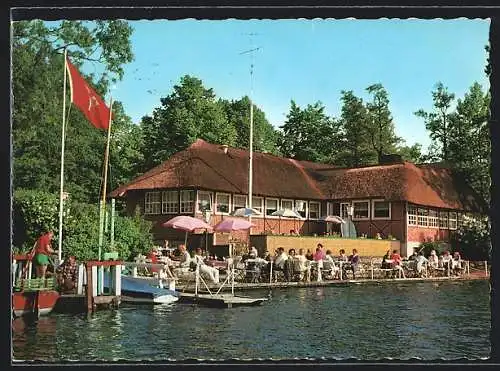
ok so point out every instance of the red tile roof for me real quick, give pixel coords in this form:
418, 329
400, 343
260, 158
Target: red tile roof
205, 166
427, 185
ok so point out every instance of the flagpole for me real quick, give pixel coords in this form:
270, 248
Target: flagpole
61, 190
103, 201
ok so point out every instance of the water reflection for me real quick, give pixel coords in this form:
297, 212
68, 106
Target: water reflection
400, 320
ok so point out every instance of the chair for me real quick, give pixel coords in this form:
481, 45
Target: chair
329, 269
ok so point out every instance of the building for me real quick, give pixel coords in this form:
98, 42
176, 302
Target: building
401, 200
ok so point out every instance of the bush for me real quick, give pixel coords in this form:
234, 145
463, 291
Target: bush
36, 212
439, 246
472, 240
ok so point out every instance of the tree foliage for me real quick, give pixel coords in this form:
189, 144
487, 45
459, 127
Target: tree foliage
36, 212
380, 125
309, 134
193, 111
38, 66
354, 118
438, 122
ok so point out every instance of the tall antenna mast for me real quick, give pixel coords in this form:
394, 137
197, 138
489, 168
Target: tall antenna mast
250, 149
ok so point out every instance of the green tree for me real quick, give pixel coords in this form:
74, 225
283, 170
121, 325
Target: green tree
411, 153
438, 121
309, 134
37, 85
191, 111
355, 148
238, 115
380, 125
36, 212
125, 156
469, 145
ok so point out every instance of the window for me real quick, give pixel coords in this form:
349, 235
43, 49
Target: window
257, 204
361, 209
152, 203
460, 219
381, 209
433, 218
301, 208
222, 202
443, 219
453, 220
204, 201
422, 217
412, 215
271, 205
187, 201
287, 204
329, 208
239, 202
314, 210
344, 214
170, 202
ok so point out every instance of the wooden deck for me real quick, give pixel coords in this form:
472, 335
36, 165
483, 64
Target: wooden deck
221, 300
267, 285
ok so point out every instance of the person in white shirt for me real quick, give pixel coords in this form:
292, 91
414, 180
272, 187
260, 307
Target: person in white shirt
211, 272
335, 270
279, 262
184, 258
420, 263
433, 259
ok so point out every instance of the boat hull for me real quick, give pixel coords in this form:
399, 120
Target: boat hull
34, 302
136, 290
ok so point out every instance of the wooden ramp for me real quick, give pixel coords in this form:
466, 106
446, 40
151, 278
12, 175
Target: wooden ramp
220, 300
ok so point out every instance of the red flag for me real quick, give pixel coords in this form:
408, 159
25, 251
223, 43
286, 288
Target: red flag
86, 99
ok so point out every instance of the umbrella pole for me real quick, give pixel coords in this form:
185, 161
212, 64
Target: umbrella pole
186, 239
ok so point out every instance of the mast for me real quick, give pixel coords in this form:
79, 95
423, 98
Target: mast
250, 146
61, 189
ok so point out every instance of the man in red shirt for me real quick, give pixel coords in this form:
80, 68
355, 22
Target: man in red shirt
43, 249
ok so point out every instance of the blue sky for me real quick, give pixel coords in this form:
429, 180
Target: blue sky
307, 60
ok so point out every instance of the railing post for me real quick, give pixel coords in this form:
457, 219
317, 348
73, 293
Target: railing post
79, 286
90, 284
486, 267
371, 266
468, 268
117, 280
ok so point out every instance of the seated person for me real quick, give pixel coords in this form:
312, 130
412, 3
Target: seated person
385, 260
281, 258
211, 272
446, 260
456, 262
309, 255
334, 270
253, 253
353, 262
67, 274
342, 256
302, 263
433, 259
183, 259
397, 263
413, 256
319, 255
420, 260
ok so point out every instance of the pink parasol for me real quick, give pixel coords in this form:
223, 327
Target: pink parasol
233, 224
333, 219
186, 223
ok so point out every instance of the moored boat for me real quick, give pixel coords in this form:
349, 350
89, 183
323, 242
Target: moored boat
31, 296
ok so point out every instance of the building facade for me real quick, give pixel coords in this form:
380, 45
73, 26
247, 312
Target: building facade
399, 200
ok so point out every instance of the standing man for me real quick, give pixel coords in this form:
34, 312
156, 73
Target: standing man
42, 251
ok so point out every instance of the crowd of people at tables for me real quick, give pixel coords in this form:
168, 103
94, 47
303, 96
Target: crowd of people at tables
421, 265
297, 265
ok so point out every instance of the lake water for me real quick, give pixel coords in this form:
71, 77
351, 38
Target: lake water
428, 320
